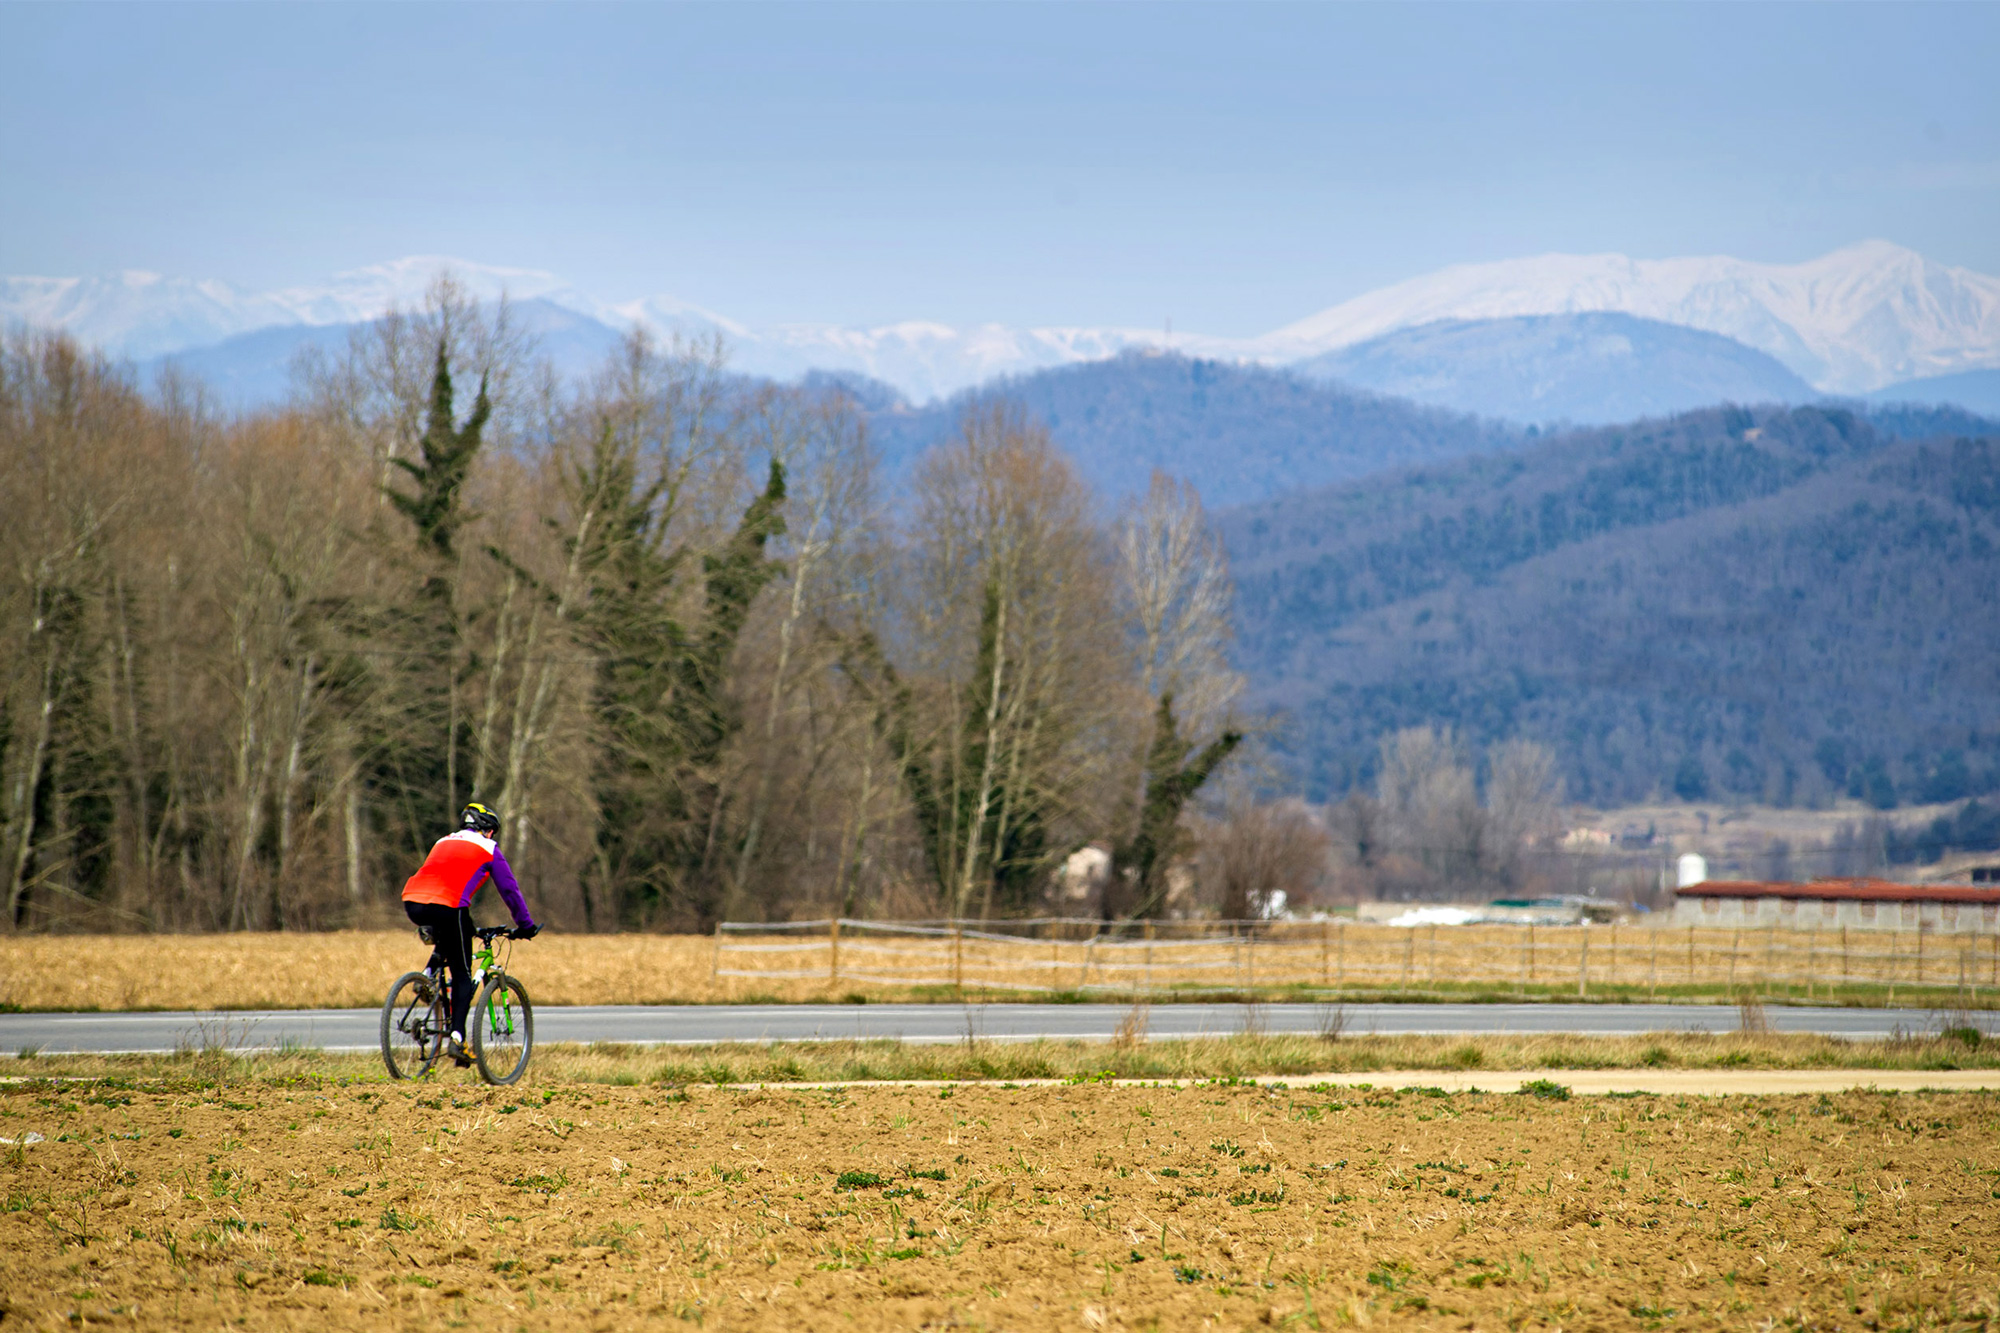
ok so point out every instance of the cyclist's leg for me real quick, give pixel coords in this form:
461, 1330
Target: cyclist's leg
451, 936
459, 955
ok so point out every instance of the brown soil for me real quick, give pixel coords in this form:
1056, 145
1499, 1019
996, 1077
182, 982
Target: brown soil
1092, 1206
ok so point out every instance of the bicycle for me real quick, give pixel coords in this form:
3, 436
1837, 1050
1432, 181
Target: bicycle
416, 1018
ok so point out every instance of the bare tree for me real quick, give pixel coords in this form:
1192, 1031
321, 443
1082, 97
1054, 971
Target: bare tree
1258, 851
1176, 581
823, 441
1523, 803
1429, 805
1007, 614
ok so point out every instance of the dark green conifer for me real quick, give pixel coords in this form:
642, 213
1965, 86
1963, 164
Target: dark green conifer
447, 451
1171, 781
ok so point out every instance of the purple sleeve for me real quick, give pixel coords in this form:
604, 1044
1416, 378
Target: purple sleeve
503, 877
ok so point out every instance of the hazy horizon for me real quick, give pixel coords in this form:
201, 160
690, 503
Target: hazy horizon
1229, 168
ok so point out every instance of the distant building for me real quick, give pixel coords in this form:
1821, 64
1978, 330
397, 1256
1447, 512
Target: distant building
1829, 904
1569, 910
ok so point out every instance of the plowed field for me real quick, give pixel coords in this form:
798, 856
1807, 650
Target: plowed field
327, 1206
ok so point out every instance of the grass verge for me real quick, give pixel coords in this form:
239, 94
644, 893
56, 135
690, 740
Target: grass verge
1203, 1058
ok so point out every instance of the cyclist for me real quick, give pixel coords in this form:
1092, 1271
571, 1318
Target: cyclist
439, 898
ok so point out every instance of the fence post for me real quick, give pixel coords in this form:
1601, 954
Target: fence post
1653, 967
1892, 965
1843, 957
1583, 963
958, 956
1528, 958
1149, 957
1326, 953
1611, 973
1409, 955
833, 952
1735, 947
1812, 960
1920, 948
715, 957
1770, 958
1690, 955
1342, 976
1434, 957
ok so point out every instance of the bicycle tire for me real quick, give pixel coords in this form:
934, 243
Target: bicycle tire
414, 1026
503, 1030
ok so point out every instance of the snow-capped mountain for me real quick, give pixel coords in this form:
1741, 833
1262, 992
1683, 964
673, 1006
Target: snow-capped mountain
141, 315
138, 314
1589, 369
1857, 320
925, 361
1852, 321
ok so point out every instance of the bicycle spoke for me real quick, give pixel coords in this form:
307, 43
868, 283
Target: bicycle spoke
503, 1030
410, 1026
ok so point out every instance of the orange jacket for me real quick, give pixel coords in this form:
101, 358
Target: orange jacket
457, 867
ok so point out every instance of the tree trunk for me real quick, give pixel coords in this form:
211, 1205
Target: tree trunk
27, 780
983, 794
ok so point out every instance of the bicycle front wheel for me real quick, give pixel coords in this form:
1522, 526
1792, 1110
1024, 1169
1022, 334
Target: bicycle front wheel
503, 1030
413, 1026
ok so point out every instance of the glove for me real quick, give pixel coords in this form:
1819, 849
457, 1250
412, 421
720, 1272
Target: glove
526, 932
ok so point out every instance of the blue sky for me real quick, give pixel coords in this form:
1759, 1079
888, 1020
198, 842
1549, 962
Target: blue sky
1232, 167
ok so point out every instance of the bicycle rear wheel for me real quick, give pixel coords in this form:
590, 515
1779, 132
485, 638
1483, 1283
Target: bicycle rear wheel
503, 1030
414, 1025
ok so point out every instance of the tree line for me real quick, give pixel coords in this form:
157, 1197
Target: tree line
665, 620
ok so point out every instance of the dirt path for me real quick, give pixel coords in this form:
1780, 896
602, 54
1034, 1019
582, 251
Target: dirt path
1582, 1082
1683, 1082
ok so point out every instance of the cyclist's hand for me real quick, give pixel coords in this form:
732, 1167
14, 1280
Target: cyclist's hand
526, 932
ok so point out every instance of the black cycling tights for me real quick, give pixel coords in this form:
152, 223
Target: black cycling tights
451, 932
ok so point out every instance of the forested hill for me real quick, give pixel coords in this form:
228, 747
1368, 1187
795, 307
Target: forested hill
1238, 432
1771, 604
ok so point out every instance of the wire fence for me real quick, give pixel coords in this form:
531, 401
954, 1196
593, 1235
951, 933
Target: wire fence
1061, 954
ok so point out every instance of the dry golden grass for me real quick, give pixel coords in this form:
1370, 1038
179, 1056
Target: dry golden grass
349, 970
1048, 1208
353, 969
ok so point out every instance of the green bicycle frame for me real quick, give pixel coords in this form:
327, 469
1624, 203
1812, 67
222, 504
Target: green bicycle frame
499, 1010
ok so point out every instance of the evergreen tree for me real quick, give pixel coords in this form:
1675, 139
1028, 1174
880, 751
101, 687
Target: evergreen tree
1171, 781
662, 691
895, 723
417, 717
447, 451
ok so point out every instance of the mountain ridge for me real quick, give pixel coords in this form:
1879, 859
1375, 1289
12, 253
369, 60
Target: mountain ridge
1589, 369
1763, 601
1853, 321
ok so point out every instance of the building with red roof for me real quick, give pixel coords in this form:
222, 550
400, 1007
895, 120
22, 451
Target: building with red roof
1829, 904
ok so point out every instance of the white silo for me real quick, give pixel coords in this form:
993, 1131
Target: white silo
1693, 869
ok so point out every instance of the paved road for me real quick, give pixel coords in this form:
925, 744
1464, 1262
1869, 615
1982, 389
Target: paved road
356, 1029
